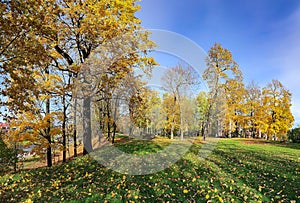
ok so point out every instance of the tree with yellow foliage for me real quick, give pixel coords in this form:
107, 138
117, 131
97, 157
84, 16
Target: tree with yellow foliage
253, 109
178, 82
223, 76
277, 102
171, 111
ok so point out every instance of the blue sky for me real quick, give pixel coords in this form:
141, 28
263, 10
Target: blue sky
263, 35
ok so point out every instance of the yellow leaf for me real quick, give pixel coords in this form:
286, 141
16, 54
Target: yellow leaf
29, 201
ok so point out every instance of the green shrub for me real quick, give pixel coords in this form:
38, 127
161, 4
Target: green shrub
294, 135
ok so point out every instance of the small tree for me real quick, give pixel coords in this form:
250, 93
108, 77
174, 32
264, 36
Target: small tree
8, 157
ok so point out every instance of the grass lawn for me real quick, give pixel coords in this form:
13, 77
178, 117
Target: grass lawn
238, 170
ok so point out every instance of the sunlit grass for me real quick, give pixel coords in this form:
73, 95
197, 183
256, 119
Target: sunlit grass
237, 170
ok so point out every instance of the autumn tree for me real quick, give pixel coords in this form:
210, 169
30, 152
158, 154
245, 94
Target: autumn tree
156, 115
221, 74
178, 82
277, 101
234, 109
170, 110
202, 109
38, 114
253, 109
84, 27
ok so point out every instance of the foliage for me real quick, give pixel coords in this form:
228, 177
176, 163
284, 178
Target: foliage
53, 40
225, 82
236, 171
294, 135
171, 111
203, 107
32, 130
238, 111
8, 157
277, 102
253, 109
179, 82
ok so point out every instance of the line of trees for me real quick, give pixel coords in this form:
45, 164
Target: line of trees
228, 109
234, 110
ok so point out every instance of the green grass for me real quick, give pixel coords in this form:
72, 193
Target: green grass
236, 171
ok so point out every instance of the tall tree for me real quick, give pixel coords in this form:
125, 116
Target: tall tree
253, 110
222, 71
277, 100
171, 111
234, 94
202, 105
179, 81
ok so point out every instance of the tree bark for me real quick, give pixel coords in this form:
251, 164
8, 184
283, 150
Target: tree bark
75, 128
108, 119
172, 130
48, 136
64, 136
114, 132
87, 126
47, 131
181, 119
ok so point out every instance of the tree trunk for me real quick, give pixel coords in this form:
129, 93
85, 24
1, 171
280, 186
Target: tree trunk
173, 119
181, 119
48, 136
87, 126
114, 132
115, 118
202, 129
47, 131
229, 132
181, 127
108, 119
64, 136
172, 131
75, 128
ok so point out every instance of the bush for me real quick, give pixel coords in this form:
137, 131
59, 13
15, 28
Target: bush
294, 135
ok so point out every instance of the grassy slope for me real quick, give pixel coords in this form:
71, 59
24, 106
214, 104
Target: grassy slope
237, 171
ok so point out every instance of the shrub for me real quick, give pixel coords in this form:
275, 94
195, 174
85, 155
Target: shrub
294, 135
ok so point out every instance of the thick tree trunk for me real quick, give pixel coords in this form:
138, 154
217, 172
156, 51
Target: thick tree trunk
114, 132
87, 126
202, 129
172, 131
